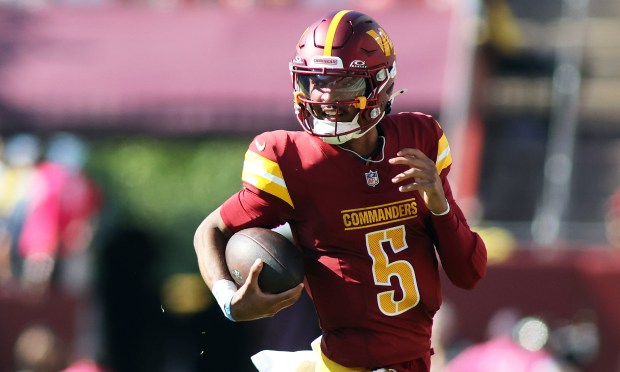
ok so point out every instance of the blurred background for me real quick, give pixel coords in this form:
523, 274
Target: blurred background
124, 122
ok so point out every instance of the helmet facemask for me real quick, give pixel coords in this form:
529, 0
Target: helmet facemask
352, 107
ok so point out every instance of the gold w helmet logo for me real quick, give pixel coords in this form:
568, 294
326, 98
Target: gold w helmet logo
383, 40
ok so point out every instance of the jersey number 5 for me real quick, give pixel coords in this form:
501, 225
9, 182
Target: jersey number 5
382, 270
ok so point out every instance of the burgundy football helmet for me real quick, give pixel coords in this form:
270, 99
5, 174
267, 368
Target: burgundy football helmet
343, 75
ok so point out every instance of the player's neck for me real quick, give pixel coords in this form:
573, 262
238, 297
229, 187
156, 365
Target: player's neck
364, 146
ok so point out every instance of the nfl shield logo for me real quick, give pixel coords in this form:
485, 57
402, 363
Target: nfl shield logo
372, 178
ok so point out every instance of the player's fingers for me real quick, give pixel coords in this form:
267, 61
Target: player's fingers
418, 174
415, 180
255, 270
419, 186
290, 294
411, 152
407, 152
273, 303
408, 156
289, 297
405, 160
413, 162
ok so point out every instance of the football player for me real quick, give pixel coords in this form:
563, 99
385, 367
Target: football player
367, 198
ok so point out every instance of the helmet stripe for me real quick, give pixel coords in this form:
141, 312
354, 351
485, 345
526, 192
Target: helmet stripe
331, 32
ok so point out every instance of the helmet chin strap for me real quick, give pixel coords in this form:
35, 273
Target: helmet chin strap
328, 127
339, 140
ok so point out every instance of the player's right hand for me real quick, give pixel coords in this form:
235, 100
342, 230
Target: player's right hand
250, 302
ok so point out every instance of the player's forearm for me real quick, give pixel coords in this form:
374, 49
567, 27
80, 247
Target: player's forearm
209, 243
462, 252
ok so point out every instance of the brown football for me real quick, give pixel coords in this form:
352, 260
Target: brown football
283, 266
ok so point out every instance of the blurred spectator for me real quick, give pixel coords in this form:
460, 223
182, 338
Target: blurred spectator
513, 346
60, 216
54, 245
21, 154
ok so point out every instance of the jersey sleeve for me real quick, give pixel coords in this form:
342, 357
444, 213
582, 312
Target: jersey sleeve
264, 200
462, 252
427, 135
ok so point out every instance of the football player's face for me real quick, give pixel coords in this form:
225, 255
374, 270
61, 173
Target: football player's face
334, 89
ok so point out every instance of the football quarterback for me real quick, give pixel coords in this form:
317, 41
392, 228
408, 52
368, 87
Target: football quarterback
366, 195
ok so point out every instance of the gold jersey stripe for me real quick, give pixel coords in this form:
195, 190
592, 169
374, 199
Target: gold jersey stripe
444, 156
331, 32
265, 175
324, 364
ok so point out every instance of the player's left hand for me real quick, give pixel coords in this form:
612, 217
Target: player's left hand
423, 172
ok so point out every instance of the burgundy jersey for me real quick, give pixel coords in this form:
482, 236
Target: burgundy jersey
370, 250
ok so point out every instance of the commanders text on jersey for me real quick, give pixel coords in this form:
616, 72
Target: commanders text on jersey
379, 214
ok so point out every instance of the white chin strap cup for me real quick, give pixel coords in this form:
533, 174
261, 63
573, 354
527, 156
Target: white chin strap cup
325, 127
